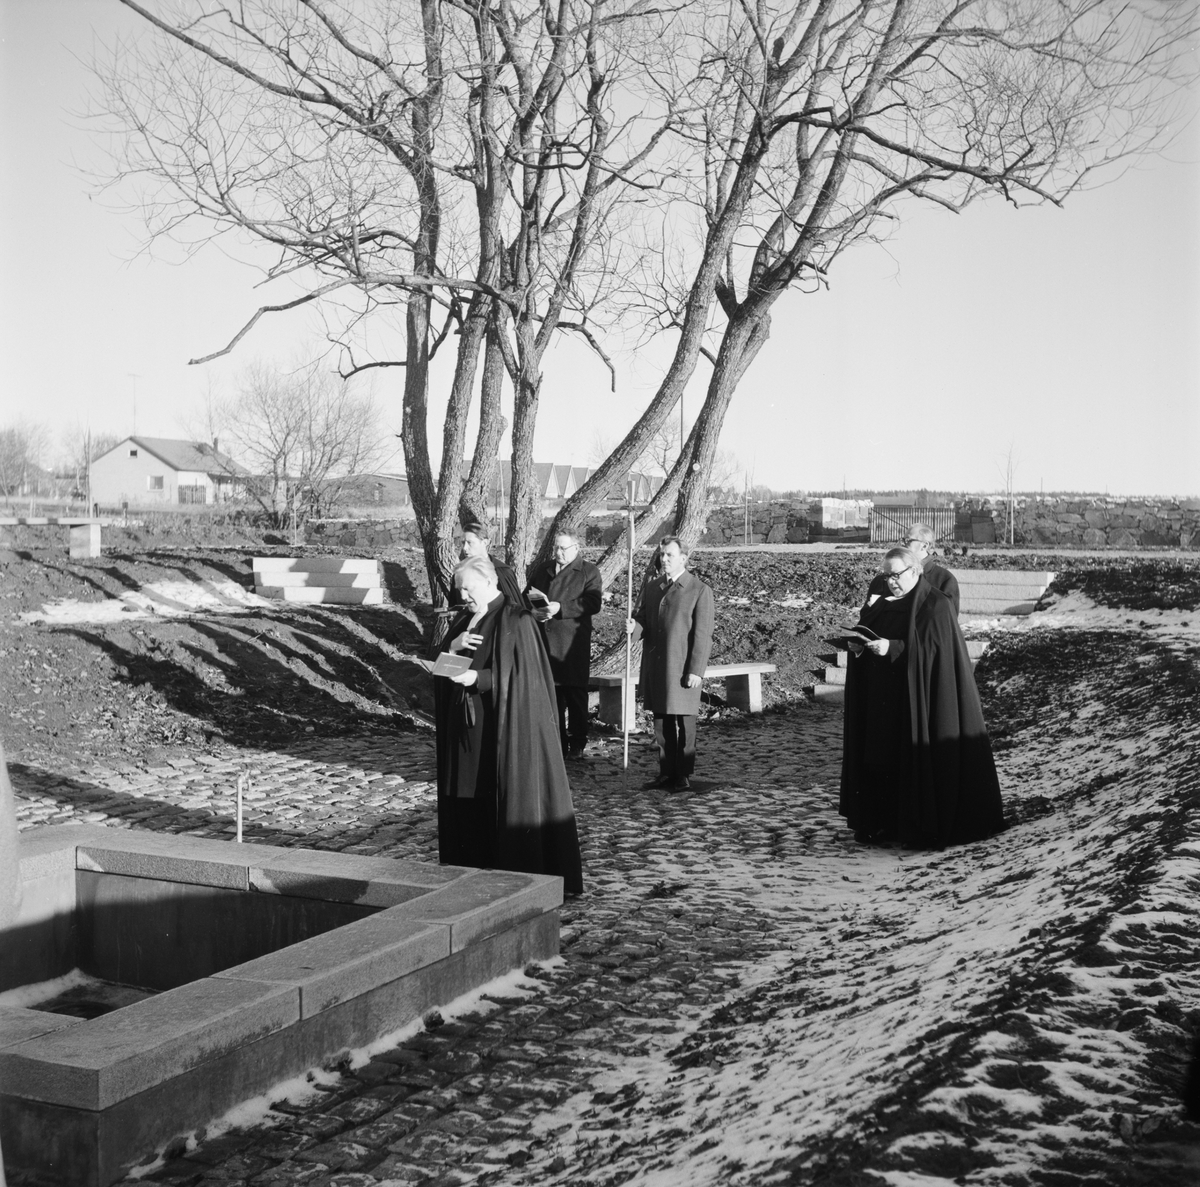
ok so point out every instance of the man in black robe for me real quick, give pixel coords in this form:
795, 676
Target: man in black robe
575, 591
503, 797
920, 539
916, 761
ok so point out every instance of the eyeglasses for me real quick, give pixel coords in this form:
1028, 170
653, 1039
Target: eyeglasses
897, 574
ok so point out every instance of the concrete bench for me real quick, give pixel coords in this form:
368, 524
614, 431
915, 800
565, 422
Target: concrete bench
84, 534
743, 689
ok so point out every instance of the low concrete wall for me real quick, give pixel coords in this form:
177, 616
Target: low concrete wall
1083, 523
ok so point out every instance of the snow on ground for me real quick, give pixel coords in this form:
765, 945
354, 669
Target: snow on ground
158, 599
1010, 1012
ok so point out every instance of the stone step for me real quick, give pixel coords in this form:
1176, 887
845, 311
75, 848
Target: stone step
991, 607
314, 564
1000, 591
1034, 577
836, 675
831, 694
321, 595
282, 580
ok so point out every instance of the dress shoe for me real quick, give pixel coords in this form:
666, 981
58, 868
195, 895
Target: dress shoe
659, 784
683, 783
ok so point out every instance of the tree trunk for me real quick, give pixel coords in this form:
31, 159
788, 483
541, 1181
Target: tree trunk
474, 503
525, 499
743, 339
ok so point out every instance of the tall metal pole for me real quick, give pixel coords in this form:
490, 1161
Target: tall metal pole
626, 687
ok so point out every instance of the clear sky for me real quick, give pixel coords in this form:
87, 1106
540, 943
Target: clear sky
1070, 335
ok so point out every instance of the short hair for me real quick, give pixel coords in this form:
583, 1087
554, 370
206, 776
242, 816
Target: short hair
922, 532
475, 564
910, 558
662, 544
478, 529
570, 533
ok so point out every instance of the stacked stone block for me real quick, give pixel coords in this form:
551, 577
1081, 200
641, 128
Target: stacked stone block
1083, 523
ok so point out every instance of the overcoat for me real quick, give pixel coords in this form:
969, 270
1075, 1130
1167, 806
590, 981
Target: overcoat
951, 795
524, 815
676, 618
579, 590
941, 579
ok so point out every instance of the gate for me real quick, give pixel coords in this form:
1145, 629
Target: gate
891, 524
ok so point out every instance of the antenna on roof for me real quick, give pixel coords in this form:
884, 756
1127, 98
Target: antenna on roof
135, 378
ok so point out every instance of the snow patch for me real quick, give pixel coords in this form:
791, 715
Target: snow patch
159, 599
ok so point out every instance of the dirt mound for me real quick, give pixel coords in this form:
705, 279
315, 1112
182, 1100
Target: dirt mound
1135, 585
271, 674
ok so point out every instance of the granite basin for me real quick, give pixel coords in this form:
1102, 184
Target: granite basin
242, 966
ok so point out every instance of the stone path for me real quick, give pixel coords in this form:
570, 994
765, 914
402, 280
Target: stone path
670, 920
737, 980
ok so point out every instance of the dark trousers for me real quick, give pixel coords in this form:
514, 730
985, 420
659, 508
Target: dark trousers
572, 715
675, 735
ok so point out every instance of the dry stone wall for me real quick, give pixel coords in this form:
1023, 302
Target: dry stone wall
1083, 523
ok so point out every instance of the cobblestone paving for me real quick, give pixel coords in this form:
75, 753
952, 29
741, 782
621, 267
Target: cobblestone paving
739, 976
684, 895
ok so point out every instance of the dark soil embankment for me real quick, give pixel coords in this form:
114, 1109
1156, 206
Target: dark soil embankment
279, 673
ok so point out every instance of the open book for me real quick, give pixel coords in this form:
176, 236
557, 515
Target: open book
536, 597
856, 632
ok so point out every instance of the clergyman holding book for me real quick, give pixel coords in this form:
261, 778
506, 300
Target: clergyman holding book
504, 801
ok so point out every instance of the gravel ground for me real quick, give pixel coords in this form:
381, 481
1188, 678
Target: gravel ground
745, 995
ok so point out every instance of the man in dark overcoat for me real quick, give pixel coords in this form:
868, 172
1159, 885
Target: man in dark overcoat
675, 619
920, 539
574, 591
475, 541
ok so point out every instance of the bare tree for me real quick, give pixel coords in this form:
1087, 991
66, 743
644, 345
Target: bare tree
812, 123
1008, 473
79, 447
470, 172
23, 445
301, 433
432, 172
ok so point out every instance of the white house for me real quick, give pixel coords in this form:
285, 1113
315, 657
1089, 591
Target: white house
160, 472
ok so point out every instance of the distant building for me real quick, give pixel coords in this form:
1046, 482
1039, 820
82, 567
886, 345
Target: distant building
839, 515
557, 483
160, 471
375, 490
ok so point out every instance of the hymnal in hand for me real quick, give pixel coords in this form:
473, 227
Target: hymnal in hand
856, 630
450, 664
536, 596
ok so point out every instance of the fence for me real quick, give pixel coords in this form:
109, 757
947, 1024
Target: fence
889, 524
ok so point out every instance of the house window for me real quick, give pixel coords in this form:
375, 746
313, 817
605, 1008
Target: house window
154, 482
133, 453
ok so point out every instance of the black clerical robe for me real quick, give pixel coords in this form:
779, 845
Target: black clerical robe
503, 797
944, 784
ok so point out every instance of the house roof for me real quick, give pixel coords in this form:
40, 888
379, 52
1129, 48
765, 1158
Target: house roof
198, 456
544, 473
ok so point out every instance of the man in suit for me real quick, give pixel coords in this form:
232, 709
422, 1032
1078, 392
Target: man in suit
675, 618
920, 540
474, 542
573, 590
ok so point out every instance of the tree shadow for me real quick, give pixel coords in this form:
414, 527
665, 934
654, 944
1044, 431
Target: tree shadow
280, 681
